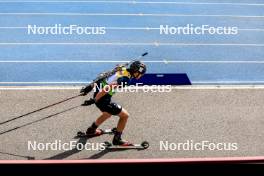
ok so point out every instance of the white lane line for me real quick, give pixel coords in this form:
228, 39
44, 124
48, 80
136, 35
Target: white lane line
132, 14
256, 29
41, 88
140, 2
227, 82
193, 82
146, 61
138, 44
110, 28
43, 82
182, 87
133, 28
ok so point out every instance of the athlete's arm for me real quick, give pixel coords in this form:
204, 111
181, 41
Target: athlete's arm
105, 91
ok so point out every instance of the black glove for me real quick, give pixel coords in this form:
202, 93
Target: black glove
85, 90
89, 102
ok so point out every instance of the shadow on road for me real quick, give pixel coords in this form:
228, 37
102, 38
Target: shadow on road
107, 150
21, 156
30, 123
69, 152
82, 141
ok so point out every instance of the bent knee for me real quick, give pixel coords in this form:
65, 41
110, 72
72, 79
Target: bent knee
124, 115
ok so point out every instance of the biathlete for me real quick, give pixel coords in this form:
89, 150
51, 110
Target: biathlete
102, 99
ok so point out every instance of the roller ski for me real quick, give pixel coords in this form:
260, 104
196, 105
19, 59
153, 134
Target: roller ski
97, 132
127, 145
118, 142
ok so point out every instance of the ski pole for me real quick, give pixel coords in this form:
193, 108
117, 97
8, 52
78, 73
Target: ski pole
37, 110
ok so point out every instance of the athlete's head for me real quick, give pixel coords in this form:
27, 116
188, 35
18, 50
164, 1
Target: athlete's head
137, 69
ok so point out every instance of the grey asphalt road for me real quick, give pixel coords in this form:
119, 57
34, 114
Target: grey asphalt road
177, 124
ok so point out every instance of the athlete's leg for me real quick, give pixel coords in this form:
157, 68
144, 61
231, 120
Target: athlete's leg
98, 122
123, 116
102, 118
